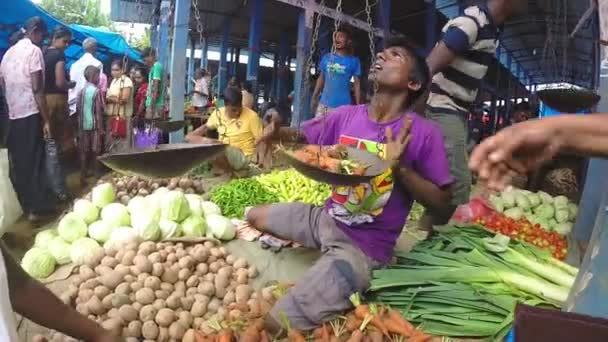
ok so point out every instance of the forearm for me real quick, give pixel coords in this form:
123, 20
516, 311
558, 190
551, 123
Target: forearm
584, 135
42, 107
432, 197
289, 134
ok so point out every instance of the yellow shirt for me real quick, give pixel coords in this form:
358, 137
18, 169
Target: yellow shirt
117, 85
241, 132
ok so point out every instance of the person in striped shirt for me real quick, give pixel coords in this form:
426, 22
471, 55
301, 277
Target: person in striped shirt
458, 63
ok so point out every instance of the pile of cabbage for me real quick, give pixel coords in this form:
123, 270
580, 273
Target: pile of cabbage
551, 213
102, 223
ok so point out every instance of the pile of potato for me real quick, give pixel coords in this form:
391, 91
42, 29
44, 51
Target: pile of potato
128, 187
159, 291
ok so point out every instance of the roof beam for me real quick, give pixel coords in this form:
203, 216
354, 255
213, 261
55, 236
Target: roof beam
332, 13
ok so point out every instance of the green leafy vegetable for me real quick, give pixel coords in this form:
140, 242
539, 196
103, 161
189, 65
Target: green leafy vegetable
86, 210
102, 195
38, 263
83, 249
60, 250
72, 227
44, 238
100, 231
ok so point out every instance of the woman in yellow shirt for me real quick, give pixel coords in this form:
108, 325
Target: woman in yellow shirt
237, 126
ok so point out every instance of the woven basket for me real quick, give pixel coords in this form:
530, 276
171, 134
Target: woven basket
569, 100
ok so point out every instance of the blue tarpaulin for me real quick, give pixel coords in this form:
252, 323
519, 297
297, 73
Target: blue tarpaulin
14, 13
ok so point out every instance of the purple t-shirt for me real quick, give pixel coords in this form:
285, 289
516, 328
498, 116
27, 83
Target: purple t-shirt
373, 214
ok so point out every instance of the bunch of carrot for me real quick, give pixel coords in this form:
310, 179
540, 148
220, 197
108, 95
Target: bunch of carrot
328, 158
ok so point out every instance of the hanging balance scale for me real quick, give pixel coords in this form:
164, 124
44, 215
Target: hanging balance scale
312, 160
566, 98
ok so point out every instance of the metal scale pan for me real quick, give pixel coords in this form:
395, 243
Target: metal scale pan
165, 125
162, 161
569, 100
377, 166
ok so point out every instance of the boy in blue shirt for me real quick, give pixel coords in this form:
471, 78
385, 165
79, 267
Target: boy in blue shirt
336, 71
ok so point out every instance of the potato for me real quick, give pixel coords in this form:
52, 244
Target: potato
155, 257
198, 309
164, 317
191, 291
85, 294
243, 293
240, 263
230, 259
199, 254
225, 272
77, 280
221, 314
172, 258
166, 287
201, 298
229, 298
161, 294
180, 253
211, 259
109, 261
90, 284
163, 334
254, 308
128, 257
122, 269
170, 276
202, 269
145, 296
85, 272
110, 251
214, 267
94, 306
192, 281
214, 305
136, 286
209, 277
107, 301
173, 302
114, 325
149, 330
129, 278
221, 283
189, 336
123, 289
177, 330
163, 255
185, 318
134, 329
209, 244
101, 269
142, 263
159, 304
235, 314
82, 308
252, 271
147, 247
187, 302
152, 282
111, 279
215, 252
268, 294
147, 313
120, 300
184, 274
242, 278
134, 270
186, 262
157, 269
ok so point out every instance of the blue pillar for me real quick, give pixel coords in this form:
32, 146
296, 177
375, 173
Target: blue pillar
383, 19
163, 32
431, 25
204, 52
178, 65
223, 64
256, 10
283, 67
191, 66
301, 97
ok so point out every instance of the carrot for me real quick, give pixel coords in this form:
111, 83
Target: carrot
295, 336
252, 333
356, 336
324, 333
396, 324
199, 336
225, 336
352, 323
362, 311
264, 336
375, 336
419, 336
239, 306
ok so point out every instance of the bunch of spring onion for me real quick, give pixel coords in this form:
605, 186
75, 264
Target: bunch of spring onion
466, 282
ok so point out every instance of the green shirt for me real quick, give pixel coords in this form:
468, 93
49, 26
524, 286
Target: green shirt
88, 108
156, 73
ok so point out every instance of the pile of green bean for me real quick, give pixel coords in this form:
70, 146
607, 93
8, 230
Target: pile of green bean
291, 186
234, 196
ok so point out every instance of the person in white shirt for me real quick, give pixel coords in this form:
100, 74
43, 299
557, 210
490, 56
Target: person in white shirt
200, 95
77, 72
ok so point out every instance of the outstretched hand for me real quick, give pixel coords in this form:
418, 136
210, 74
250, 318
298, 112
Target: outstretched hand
396, 146
515, 150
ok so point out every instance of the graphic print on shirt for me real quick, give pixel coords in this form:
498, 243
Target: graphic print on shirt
354, 205
336, 68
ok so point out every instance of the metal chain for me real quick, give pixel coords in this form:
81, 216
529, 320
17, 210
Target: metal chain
199, 23
372, 60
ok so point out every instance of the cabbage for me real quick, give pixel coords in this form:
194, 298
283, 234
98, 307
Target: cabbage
522, 201
572, 211
148, 205
102, 195
72, 227
552, 223
525, 192
221, 227
561, 215
86, 210
534, 200
122, 236
508, 198
60, 250
168, 229
162, 191
83, 250
146, 226
116, 215
514, 213
497, 203
560, 202
44, 238
210, 208
174, 206
545, 197
38, 263
137, 204
194, 226
545, 211
194, 203
563, 228
100, 231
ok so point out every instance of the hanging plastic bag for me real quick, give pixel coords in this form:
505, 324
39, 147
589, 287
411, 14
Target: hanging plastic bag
53, 167
10, 209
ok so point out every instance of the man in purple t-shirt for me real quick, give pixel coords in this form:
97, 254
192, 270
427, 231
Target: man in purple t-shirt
358, 227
